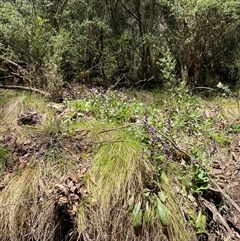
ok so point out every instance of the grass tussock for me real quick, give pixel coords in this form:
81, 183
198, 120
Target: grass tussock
23, 216
117, 163
120, 172
12, 105
117, 171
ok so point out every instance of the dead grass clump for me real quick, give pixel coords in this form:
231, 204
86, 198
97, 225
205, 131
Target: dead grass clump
23, 216
11, 106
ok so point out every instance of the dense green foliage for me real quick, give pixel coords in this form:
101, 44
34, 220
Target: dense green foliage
119, 42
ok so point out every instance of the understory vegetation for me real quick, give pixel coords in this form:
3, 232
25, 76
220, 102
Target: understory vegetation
130, 165
44, 44
119, 120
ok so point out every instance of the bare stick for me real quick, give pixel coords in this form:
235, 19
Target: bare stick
17, 87
22, 70
116, 129
217, 217
118, 81
220, 190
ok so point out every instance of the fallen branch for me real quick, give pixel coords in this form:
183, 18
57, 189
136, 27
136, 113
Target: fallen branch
17, 87
118, 81
11, 62
217, 217
21, 69
220, 190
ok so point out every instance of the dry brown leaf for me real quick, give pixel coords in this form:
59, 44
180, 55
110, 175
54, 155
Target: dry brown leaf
73, 189
74, 197
15, 168
62, 189
73, 209
70, 184
228, 173
216, 171
224, 165
74, 178
62, 200
92, 179
21, 165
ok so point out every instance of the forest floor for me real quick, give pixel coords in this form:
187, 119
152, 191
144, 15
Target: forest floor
119, 165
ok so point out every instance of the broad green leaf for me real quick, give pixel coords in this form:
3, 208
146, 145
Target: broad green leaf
131, 201
200, 223
137, 215
162, 213
162, 196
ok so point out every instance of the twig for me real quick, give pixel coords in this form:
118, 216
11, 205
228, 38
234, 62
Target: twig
46, 94
220, 190
11, 62
176, 147
118, 81
117, 128
216, 215
18, 66
205, 88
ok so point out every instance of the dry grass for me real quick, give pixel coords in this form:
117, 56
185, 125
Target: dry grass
230, 108
27, 102
23, 216
12, 105
29, 210
118, 172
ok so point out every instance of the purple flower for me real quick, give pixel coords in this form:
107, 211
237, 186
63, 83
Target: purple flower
152, 132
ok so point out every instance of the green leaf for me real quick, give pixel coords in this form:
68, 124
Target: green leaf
147, 214
131, 201
162, 196
137, 215
164, 178
200, 223
162, 213
200, 181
